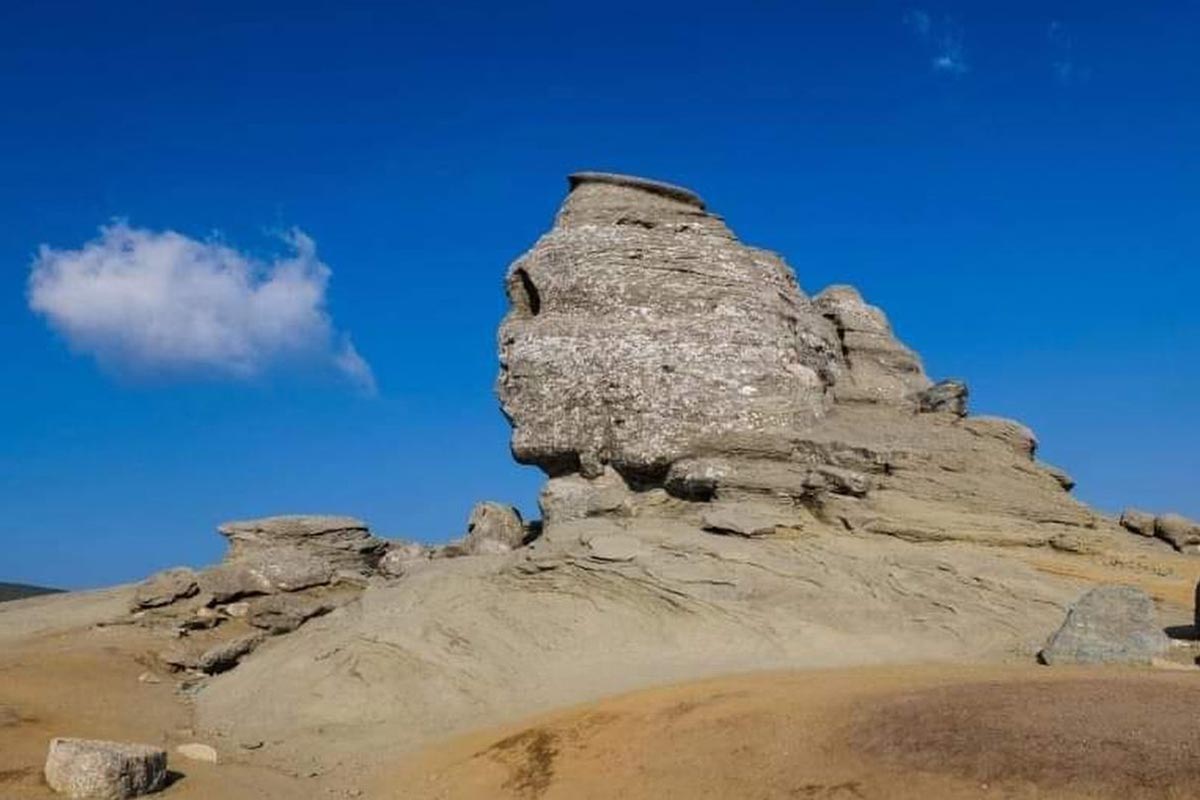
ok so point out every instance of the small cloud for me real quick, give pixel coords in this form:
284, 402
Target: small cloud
157, 303
919, 21
943, 38
1066, 69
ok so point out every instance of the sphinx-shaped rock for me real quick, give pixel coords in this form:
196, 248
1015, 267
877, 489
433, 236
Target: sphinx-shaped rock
647, 350
639, 325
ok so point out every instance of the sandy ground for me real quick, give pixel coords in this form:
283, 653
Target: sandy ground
60, 679
897, 732
921, 731
926, 732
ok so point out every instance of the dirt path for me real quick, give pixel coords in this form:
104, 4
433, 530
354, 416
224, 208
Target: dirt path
924, 733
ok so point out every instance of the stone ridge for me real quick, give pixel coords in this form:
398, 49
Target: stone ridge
662, 188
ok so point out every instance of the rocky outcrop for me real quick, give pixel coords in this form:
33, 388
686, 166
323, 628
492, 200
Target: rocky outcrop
1108, 625
334, 542
878, 368
647, 350
1181, 532
1138, 522
166, 587
1177, 530
639, 325
98, 770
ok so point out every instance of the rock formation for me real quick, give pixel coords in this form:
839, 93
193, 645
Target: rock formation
739, 477
647, 348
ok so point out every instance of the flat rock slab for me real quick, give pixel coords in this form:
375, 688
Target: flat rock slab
99, 770
1108, 625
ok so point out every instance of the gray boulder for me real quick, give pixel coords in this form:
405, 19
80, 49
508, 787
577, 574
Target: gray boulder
493, 528
1108, 625
166, 587
1181, 532
98, 770
1138, 522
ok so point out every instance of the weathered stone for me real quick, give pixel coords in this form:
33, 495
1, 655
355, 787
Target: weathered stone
879, 368
1108, 625
166, 587
225, 656
98, 770
195, 751
493, 528
400, 556
1181, 532
639, 325
283, 613
948, 396
339, 542
229, 582
1138, 522
742, 521
576, 497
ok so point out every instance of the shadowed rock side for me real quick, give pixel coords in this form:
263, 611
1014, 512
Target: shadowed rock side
740, 477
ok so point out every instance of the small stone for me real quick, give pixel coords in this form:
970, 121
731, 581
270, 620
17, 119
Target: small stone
98, 770
1108, 625
149, 677
198, 752
255, 744
237, 610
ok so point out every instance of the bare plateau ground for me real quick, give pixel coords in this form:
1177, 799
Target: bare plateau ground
920, 732
928, 731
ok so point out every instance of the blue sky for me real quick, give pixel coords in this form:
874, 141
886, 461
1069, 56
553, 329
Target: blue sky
1017, 184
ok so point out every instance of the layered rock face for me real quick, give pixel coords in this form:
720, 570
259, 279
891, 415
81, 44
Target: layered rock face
639, 325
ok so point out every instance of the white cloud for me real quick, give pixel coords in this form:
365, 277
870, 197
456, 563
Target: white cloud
1067, 71
944, 39
161, 303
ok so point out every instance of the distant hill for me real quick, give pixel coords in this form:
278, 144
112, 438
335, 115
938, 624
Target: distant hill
16, 591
